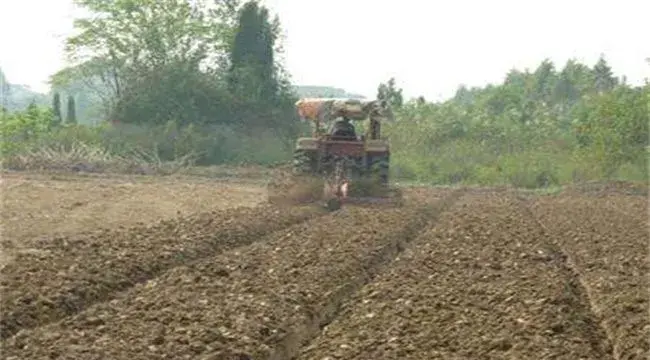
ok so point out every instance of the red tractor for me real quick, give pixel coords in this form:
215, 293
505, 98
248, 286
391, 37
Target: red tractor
352, 167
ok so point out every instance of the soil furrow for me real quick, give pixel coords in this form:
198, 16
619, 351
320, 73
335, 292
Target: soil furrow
480, 285
255, 302
609, 251
333, 303
575, 285
62, 276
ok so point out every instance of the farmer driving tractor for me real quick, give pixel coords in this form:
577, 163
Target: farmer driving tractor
343, 129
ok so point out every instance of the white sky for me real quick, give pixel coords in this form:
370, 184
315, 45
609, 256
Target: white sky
430, 47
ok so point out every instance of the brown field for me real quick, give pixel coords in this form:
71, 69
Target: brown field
123, 267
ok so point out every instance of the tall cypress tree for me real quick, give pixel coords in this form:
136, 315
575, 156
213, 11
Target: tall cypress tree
71, 116
5, 90
252, 56
604, 78
545, 79
56, 108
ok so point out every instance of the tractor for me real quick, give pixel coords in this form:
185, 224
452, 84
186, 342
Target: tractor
351, 167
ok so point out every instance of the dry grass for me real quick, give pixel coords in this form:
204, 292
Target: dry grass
82, 157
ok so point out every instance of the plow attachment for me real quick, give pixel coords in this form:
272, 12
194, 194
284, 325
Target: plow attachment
356, 194
332, 193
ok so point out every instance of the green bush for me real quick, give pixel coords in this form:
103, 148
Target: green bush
19, 130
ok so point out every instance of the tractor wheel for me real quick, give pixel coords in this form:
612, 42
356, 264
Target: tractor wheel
356, 168
379, 169
304, 162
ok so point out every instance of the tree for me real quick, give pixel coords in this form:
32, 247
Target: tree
463, 95
56, 108
613, 126
260, 87
5, 90
123, 40
252, 55
566, 91
604, 79
141, 34
100, 78
71, 115
178, 92
389, 92
545, 80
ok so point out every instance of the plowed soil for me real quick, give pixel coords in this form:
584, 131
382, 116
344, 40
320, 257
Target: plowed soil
483, 284
65, 275
257, 301
453, 274
40, 206
52, 277
606, 241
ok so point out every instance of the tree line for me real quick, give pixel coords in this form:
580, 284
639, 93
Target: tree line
571, 123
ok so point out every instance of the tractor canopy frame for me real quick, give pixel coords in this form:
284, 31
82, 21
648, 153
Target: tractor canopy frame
324, 110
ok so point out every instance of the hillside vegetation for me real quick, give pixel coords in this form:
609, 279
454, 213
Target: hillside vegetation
205, 87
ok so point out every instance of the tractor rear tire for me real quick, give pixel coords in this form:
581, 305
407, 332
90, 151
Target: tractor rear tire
380, 169
304, 162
